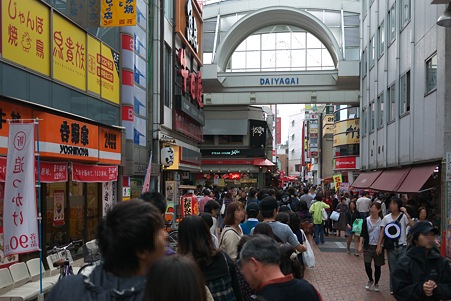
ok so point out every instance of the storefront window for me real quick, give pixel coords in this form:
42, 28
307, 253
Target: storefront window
93, 210
56, 228
76, 210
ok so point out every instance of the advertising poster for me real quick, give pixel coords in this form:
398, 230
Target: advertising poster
170, 193
337, 182
108, 69
26, 34
107, 197
58, 207
118, 13
69, 53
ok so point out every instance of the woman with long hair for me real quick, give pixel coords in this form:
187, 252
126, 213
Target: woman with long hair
231, 234
175, 269
340, 225
351, 216
369, 237
218, 269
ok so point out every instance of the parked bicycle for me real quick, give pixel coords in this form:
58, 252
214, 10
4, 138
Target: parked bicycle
172, 238
91, 257
64, 263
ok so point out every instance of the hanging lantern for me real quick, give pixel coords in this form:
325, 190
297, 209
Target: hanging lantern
167, 156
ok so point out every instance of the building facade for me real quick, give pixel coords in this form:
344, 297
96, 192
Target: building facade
405, 96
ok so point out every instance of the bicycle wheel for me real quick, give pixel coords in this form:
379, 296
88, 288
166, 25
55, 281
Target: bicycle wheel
173, 240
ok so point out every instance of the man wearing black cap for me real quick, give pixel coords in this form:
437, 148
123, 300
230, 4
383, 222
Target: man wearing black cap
422, 274
252, 210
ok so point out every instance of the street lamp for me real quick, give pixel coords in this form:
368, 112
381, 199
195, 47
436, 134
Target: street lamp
445, 19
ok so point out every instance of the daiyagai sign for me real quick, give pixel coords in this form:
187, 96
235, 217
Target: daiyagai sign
279, 81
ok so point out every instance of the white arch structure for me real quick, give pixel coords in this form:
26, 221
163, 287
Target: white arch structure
339, 86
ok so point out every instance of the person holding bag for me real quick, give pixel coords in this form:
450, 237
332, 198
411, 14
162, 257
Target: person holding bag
368, 243
316, 208
351, 216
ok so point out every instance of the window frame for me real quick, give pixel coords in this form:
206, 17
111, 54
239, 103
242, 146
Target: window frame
364, 63
405, 21
372, 52
381, 37
391, 20
391, 101
404, 93
380, 110
371, 118
364, 121
429, 89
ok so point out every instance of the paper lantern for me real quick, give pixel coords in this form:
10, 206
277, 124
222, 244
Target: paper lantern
167, 156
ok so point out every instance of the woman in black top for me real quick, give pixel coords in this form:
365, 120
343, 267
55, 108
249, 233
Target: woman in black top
351, 216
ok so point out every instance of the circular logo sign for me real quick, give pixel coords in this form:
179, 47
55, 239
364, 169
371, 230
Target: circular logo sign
20, 140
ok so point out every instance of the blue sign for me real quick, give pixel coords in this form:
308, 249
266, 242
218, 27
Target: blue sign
279, 81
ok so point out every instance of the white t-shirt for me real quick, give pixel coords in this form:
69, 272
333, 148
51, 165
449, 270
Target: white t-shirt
403, 222
363, 204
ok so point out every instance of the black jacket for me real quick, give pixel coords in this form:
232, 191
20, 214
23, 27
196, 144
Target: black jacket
415, 268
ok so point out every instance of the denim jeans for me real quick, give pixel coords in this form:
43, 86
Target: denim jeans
393, 256
319, 233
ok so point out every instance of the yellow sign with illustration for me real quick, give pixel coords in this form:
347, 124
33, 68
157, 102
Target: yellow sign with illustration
347, 126
26, 34
175, 165
69, 53
118, 13
337, 181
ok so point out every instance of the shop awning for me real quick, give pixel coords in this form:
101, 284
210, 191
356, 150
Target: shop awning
263, 162
364, 180
417, 177
390, 179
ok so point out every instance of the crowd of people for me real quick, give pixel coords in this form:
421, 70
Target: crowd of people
248, 244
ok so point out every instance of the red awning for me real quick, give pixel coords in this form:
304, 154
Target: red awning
263, 162
416, 178
364, 180
390, 179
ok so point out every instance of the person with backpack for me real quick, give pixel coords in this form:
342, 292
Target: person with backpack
393, 235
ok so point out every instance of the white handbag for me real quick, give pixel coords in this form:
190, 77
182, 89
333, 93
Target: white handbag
335, 216
308, 256
324, 214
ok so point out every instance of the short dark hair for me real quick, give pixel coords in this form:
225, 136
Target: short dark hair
253, 192
128, 228
207, 218
156, 199
283, 217
263, 248
182, 269
397, 201
264, 229
210, 206
229, 218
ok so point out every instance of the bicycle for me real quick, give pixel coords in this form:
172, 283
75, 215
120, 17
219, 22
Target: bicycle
172, 238
63, 263
91, 257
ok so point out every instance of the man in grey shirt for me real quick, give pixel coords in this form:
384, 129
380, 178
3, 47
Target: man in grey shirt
269, 210
363, 205
307, 197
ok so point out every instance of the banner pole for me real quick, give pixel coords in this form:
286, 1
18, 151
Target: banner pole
38, 155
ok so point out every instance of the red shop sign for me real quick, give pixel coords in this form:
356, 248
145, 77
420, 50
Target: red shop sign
93, 173
345, 163
51, 172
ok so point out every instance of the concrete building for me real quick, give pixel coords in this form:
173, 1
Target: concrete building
405, 88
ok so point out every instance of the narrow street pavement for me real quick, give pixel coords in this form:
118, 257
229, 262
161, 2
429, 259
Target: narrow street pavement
341, 277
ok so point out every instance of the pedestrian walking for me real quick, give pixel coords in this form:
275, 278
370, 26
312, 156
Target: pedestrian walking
231, 234
393, 235
340, 225
422, 274
369, 238
316, 208
351, 216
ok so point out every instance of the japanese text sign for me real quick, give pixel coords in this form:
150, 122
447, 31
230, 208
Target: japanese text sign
110, 146
11, 111
67, 138
51, 172
118, 13
26, 34
19, 219
337, 182
93, 173
69, 53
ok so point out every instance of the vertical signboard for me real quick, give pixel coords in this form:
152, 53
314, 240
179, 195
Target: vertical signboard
20, 219
108, 63
69, 53
93, 66
279, 130
257, 137
26, 34
118, 13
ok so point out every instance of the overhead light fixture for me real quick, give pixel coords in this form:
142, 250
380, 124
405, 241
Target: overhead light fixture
445, 19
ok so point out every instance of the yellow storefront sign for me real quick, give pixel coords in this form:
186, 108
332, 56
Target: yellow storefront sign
108, 63
346, 138
93, 67
337, 181
69, 53
118, 13
176, 164
26, 34
347, 126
